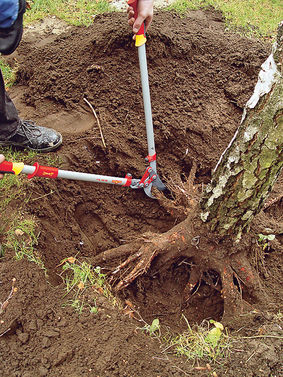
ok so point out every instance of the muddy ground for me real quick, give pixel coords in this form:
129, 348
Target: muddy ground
200, 78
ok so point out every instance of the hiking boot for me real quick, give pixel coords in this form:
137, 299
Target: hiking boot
36, 138
10, 37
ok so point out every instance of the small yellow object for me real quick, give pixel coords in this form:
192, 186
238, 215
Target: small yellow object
81, 285
71, 260
19, 232
17, 167
140, 40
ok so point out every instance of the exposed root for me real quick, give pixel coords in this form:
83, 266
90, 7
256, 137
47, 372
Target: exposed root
168, 246
245, 271
186, 195
270, 203
232, 296
119, 252
247, 276
230, 274
146, 256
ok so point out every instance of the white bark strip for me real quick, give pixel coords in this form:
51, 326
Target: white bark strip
250, 165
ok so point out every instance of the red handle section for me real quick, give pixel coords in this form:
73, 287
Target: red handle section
44, 171
6, 167
134, 5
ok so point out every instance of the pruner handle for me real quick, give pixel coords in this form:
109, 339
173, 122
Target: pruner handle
140, 36
6, 168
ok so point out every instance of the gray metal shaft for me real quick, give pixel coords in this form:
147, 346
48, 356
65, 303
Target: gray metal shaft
65, 174
146, 100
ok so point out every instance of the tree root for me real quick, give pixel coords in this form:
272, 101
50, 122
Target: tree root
146, 256
230, 274
186, 195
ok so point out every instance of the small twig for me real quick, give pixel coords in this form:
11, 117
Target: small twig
96, 117
252, 354
3, 305
181, 370
43, 196
5, 332
262, 336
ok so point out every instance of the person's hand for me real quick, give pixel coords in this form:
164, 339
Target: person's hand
145, 14
2, 158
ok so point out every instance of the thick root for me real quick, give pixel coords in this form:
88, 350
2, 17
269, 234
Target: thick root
145, 256
211, 264
186, 195
120, 253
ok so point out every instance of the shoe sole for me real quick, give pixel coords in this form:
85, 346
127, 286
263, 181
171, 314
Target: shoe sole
49, 149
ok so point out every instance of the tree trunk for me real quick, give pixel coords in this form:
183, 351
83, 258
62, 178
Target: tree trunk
249, 167
242, 179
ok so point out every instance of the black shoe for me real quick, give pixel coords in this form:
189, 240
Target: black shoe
36, 138
11, 37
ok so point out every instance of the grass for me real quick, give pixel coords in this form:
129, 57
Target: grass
75, 12
259, 18
207, 341
8, 73
17, 230
11, 187
23, 239
84, 283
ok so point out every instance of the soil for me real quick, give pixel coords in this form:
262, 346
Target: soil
200, 78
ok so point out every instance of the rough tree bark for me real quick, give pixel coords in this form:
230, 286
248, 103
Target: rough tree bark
211, 233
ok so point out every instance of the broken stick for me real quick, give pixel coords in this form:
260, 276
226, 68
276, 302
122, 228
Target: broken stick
98, 122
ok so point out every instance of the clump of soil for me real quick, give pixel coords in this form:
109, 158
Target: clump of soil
200, 78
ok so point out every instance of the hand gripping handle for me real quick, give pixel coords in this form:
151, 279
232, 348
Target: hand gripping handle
7, 167
140, 36
38, 170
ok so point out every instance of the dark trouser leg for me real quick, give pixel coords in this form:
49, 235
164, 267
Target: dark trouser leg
9, 119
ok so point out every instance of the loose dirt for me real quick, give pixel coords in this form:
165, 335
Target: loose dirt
200, 78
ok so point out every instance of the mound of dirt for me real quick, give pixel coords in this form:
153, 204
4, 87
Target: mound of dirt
200, 78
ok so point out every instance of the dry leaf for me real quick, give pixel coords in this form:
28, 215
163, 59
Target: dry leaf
81, 285
129, 303
100, 290
128, 312
19, 232
71, 260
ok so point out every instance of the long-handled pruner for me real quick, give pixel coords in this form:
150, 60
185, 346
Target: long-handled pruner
37, 170
151, 158
150, 177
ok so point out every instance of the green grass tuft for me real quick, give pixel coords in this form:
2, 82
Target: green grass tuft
75, 12
259, 18
8, 73
17, 231
79, 279
207, 341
